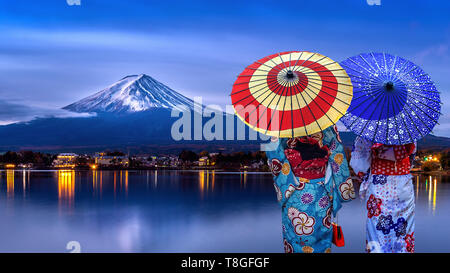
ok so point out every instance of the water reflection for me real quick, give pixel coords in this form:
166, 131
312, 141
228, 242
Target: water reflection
94, 181
201, 181
25, 178
206, 181
10, 184
118, 183
156, 179
123, 182
115, 184
126, 183
97, 183
127, 210
213, 179
432, 190
243, 179
428, 186
66, 188
434, 195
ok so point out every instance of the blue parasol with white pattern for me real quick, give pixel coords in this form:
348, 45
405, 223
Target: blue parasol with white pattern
394, 101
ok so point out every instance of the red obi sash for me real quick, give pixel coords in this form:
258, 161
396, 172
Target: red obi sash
308, 157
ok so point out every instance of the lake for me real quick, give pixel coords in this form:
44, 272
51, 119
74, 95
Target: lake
177, 211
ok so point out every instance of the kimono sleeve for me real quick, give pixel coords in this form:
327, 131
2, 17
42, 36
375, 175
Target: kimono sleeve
361, 156
339, 178
285, 182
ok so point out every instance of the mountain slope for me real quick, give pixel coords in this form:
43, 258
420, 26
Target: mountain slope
111, 131
131, 94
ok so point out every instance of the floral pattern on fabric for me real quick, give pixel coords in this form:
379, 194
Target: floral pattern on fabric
303, 224
390, 220
326, 221
339, 158
333, 145
385, 224
400, 227
409, 239
276, 166
307, 249
391, 159
293, 188
380, 179
373, 206
347, 190
389, 198
324, 201
285, 169
335, 166
287, 247
308, 198
278, 191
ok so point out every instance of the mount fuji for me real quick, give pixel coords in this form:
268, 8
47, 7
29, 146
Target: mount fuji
133, 114
133, 93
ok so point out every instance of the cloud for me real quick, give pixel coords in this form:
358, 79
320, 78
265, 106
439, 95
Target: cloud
440, 51
54, 61
443, 128
19, 112
194, 45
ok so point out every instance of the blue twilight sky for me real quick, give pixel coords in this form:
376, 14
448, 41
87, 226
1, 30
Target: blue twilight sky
52, 54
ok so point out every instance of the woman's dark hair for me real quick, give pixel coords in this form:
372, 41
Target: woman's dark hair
310, 151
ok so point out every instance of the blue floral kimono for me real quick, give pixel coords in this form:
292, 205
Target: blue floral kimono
311, 179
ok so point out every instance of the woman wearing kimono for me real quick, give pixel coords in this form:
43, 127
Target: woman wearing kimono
311, 179
388, 194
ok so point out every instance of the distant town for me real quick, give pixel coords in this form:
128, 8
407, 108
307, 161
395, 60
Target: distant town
424, 161
252, 161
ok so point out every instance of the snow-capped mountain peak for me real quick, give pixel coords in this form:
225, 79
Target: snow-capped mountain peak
133, 93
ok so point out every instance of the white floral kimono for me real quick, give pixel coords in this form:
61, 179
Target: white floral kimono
388, 193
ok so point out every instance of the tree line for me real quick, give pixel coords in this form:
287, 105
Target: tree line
25, 157
225, 160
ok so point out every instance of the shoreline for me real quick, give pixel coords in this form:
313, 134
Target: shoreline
140, 169
442, 172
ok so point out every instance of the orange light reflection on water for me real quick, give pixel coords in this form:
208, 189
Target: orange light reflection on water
434, 195
10, 184
206, 181
429, 185
66, 188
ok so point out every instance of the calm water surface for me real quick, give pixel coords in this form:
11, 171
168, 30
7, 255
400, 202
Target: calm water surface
176, 211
